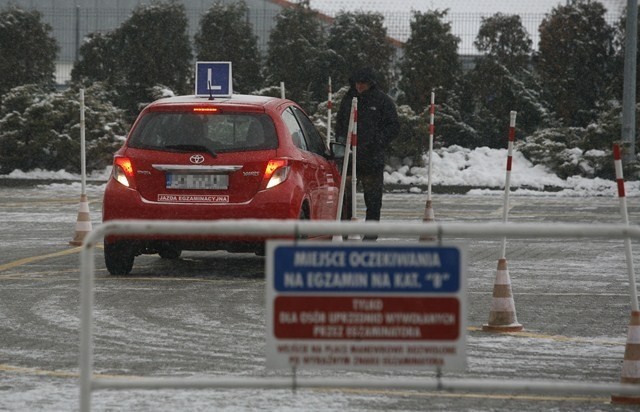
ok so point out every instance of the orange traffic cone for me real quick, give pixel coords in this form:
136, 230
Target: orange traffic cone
502, 317
631, 364
428, 218
83, 223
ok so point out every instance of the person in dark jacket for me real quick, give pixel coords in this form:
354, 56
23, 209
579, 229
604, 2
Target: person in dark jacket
377, 126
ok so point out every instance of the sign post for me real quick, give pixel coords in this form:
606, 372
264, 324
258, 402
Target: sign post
365, 306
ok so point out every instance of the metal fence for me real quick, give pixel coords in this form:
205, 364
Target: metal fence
89, 382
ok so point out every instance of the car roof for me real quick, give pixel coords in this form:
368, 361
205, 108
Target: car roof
236, 100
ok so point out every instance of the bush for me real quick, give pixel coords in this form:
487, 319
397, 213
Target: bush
559, 149
41, 129
413, 139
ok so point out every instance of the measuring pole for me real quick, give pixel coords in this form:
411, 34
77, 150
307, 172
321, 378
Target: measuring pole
617, 160
507, 183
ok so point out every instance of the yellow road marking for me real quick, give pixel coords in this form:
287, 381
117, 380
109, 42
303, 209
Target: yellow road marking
32, 259
33, 371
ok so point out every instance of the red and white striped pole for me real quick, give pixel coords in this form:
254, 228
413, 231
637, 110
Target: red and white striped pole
329, 107
502, 316
432, 111
507, 182
631, 362
617, 160
83, 222
345, 164
428, 208
354, 151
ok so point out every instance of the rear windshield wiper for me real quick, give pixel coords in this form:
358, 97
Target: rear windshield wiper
192, 147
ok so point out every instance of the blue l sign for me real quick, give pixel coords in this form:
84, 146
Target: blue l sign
214, 79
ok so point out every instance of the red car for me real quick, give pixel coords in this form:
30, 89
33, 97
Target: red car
192, 158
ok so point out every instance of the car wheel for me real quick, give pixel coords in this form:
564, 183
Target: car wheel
170, 253
303, 216
118, 257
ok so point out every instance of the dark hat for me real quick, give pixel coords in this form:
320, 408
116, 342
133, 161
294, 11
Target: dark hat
364, 75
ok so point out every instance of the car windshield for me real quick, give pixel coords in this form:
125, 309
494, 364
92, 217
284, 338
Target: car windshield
213, 133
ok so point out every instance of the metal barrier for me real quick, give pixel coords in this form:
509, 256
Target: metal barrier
284, 228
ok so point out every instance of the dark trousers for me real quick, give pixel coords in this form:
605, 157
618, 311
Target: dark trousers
372, 182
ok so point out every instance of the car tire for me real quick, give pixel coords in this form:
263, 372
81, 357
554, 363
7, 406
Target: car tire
118, 257
170, 253
303, 216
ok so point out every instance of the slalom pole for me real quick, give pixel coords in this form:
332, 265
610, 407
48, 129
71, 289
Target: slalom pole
354, 177
354, 150
83, 156
630, 364
428, 208
432, 112
502, 315
345, 165
83, 220
329, 107
507, 183
617, 160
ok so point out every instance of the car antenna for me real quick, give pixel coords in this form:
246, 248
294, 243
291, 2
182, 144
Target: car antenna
210, 90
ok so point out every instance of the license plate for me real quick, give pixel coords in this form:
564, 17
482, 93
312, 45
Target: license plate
197, 181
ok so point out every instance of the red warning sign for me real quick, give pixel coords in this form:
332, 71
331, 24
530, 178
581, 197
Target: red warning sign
367, 318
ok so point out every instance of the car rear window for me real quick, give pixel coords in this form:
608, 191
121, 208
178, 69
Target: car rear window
217, 132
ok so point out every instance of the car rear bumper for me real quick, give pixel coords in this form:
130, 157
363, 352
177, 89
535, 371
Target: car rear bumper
122, 203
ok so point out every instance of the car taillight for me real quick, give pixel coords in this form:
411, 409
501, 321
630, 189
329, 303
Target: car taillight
123, 171
276, 172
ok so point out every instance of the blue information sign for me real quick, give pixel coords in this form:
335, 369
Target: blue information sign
372, 268
214, 79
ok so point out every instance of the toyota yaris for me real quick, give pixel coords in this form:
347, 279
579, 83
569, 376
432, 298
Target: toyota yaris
192, 158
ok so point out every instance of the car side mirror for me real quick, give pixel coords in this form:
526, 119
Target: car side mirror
337, 149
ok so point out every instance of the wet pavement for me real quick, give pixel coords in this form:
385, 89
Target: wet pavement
204, 314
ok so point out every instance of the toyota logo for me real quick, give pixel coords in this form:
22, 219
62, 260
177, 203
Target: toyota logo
197, 159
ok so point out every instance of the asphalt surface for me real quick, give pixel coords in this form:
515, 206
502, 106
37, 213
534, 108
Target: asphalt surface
204, 314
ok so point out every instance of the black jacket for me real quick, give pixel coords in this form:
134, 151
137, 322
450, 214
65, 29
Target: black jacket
378, 125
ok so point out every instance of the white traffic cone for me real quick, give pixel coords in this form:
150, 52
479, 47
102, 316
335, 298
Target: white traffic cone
502, 317
631, 363
83, 223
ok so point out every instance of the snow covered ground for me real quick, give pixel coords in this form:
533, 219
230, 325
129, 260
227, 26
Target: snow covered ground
482, 168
